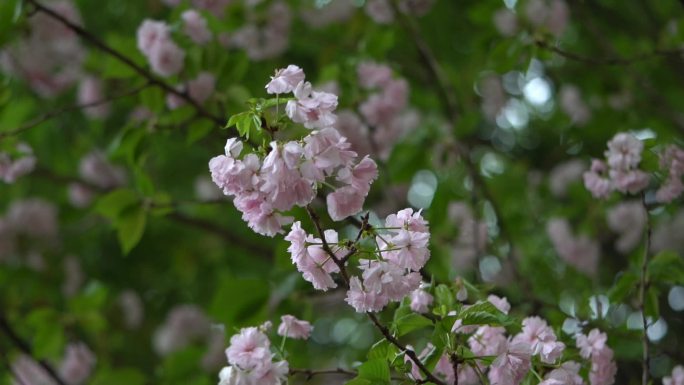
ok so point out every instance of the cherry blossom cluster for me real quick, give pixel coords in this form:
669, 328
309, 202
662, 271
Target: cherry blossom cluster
154, 41
672, 162
12, 169
676, 378
621, 173
291, 173
515, 355
553, 16
28, 228
96, 173
385, 110
250, 359
264, 36
579, 251
50, 57
75, 367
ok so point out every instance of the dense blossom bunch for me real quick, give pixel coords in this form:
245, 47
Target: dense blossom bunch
263, 40
581, 252
251, 361
628, 219
291, 172
195, 27
672, 162
394, 274
24, 163
154, 41
593, 347
621, 170
49, 59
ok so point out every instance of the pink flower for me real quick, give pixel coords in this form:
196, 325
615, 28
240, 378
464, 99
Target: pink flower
350, 125
325, 151
595, 180
11, 170
579, 252
510, 367
202, 87
628, 220
603, 368
676, 378
216, 7
184, 324
150, 34
506, 22
363, 300
566, 374
361, 176
166, 58
592, 343
380, 11
373, 75
285, 80
624, 152
293, 328
407, 219
77, 364
95, 169
311, 108
28, 371
250, 350
670, 190
421, 300
632, 181
541, 339
311, 259
275, 373
488, 341
500, 303
90, 92
344, 202
573, 105
408, 249
195, 26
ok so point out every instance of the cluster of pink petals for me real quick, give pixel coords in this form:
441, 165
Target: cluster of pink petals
50, 58
12, 169
199, 89
77, 364
263, 40
291, 172
671, 161
90, 92
566, 374
593, 347
195, 27
621, 172
402, 252
154, 41
292, 327
541, 339
97, 173
385, 109
184, 324
581, 252
311, 259
564, 175
553, 15
676, 378
251, 361
421, 301
627, 219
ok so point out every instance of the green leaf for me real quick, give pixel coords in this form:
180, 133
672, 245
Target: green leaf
359, 381
112, 204
483, 313
128, 376
377, 371
623, 287
130, 227
444, 296
666, 267
48, 335
198, 130
411, 322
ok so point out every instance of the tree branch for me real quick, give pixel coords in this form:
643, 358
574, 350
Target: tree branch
80, 31
610, 61
55, 113
22, 345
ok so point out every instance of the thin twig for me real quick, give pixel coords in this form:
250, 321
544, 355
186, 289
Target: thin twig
55, 113
22, 345
609, 61
128, 62
643, 285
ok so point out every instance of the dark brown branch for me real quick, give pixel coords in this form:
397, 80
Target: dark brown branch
610, 61
643, 286
80, 31
309, 373
25, 348
55, 113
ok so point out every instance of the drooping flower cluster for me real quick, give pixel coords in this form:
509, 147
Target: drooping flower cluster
593, 347
401, 253
154, 41
263, 40
12, 169
291, 172
251, 361
195, 27
542, 340
621, 173
672, 162
50, 58
581, 252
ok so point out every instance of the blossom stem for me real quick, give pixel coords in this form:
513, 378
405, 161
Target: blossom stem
643, 285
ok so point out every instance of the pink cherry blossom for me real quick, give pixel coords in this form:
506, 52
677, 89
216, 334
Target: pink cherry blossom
580, 252
183, 324
500, 303
510, 367
676, 378
627, 219
166, 58
249, 350
90, 92
566, 374
380, 11
311, 108
293, 328
12, 169
285, 80
344, 202
77, 364
596, 181
363, 300
373, 75
592, 343
488, 341
603, 367
421, 300
195, 26
150, 34
624, 152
